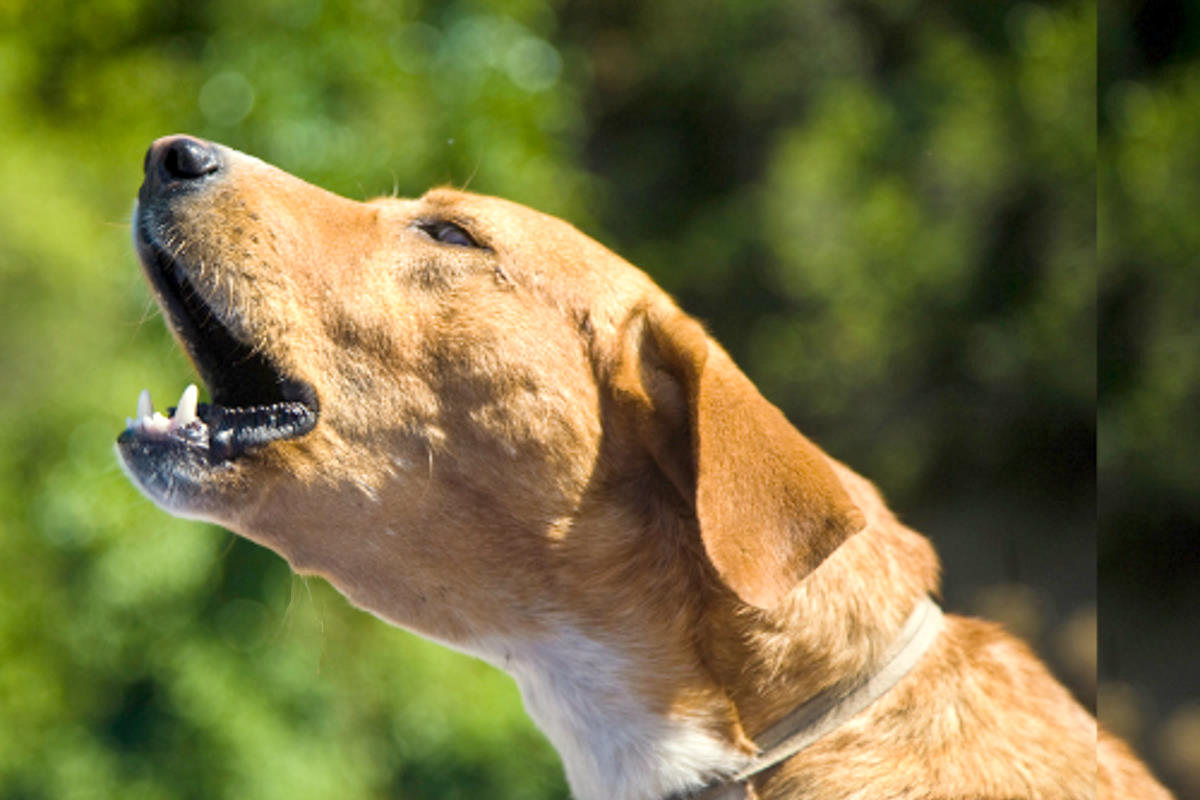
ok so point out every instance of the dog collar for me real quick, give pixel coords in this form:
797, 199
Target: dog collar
830, 709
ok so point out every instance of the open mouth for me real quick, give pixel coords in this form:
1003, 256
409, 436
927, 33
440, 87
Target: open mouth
253, 402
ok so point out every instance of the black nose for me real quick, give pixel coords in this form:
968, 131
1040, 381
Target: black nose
178, 159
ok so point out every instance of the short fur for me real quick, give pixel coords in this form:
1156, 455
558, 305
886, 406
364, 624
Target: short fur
526, 451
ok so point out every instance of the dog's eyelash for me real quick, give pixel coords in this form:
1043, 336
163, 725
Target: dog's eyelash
447, 232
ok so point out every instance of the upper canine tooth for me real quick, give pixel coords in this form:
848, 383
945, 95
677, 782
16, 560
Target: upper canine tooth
185, 412
145, 408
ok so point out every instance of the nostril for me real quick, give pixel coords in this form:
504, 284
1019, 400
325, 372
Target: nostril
188, 159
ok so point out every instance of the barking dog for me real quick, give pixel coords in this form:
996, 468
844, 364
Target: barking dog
481, 425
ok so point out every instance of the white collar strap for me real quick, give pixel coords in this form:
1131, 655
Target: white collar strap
828, 710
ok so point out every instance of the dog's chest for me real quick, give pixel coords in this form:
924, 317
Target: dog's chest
578, 691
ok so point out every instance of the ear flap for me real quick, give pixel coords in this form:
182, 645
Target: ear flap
769, 505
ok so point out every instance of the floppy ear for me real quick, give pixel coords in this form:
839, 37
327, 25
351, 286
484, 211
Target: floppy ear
769, 505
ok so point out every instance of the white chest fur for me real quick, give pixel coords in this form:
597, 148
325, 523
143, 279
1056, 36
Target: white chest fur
613, 747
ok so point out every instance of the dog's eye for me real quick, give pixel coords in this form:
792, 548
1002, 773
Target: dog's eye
447, 232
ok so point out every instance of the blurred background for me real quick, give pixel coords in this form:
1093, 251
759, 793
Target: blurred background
1149, 380
887, 211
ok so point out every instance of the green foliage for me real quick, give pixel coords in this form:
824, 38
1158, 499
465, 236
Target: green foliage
1148, 249
890, 221
884, 210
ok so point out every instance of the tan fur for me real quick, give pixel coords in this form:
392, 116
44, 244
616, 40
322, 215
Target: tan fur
531, 431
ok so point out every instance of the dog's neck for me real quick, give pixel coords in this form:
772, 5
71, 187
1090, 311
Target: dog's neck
670, 698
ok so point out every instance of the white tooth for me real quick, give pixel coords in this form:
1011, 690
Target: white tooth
128, 423
145, 407
185, 412
159, 423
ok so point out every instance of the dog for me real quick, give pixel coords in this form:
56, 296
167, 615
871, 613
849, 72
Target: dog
481, 425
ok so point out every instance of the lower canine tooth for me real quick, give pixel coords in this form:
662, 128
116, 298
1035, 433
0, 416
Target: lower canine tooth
185, 412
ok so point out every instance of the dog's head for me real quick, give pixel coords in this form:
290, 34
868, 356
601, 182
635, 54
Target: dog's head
425, 399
